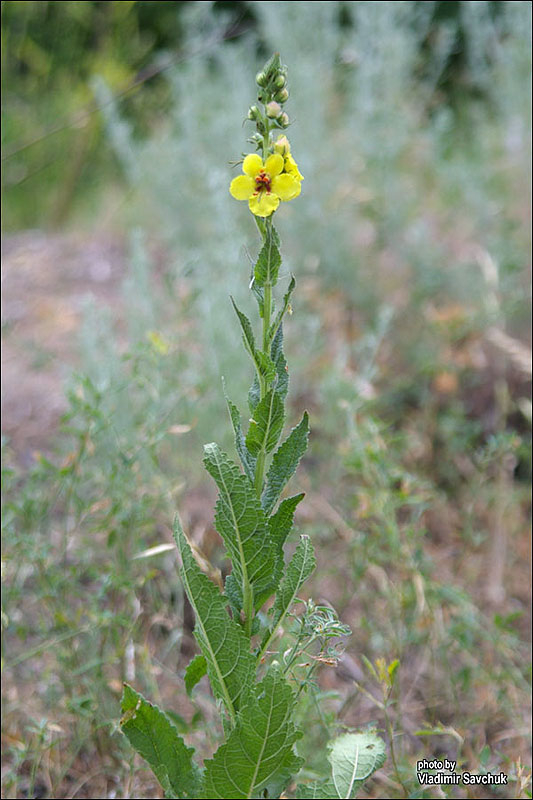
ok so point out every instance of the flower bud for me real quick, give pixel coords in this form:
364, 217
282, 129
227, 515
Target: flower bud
280, 82
282, 146
256, 139
283, 120
261, 79
254, 113
273, 110
282, 96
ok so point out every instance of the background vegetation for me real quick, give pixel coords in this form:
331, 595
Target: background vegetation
409, 344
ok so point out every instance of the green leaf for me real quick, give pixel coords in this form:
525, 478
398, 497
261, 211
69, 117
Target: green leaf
259, 295
280, 523
241, 522
284, 463
247, 330
298, 570
283, 310
269, 259
353, 757
254, 394
266, 424
195, 672
259, 751
225, 646
317, 790
156, 739
280, 364
265, 366
247, 460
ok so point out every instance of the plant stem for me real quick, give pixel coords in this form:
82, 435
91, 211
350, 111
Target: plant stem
392, 751
267, 311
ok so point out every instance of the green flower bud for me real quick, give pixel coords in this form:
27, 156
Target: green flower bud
282, 96
280, 81
283, 120
273, 110
254, 113
261, 79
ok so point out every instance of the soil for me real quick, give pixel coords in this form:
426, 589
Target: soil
46, 280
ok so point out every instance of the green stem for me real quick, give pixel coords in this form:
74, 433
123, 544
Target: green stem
263, 387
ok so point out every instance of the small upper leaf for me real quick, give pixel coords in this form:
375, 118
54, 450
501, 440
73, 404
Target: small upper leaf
283, 310
280, 523
247, 460
266, 424
269, 259
280, 364
156, 739
247, 330
298, 570
284, 463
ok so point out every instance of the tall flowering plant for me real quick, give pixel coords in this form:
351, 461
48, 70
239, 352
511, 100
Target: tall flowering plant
257, 651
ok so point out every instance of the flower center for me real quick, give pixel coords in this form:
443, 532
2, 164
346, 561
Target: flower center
262, 181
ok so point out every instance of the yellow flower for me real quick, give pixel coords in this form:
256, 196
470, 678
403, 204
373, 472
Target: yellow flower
283, 147
265, 184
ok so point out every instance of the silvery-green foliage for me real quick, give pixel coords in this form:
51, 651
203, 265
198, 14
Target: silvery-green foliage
384, 157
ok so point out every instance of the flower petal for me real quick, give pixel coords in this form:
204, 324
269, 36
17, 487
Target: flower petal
263, 204
292, 167
286, 186
252, 165
242, 187
274, 164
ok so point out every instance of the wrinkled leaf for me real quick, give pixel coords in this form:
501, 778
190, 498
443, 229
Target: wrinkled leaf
266, 424
353, 758
247, 460
283, 310
269, 259
156, 739
224, 644
280, 523
195, 671
241, 522
259, 750
284, 463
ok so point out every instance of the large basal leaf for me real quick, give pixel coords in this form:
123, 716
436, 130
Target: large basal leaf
224, 644
266, 424
353, 758
284, 463
269, 259
241, 522
259, 751
156, 739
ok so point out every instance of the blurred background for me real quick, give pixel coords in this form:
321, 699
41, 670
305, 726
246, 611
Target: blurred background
410, 345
